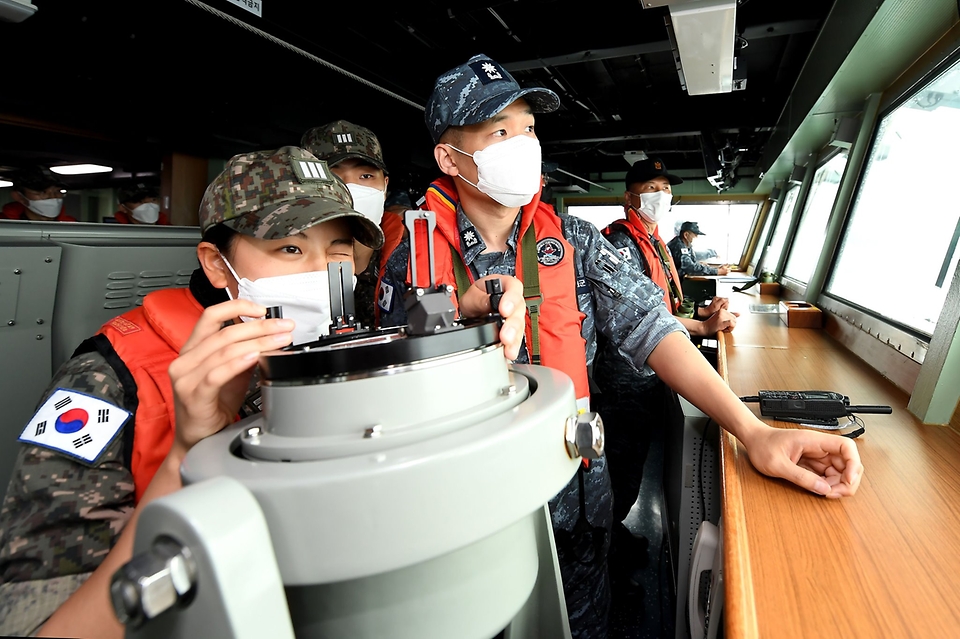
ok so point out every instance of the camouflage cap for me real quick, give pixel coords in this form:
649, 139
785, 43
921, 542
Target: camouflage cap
340, 140
692, 227
136, 192
476, 91
275, 194
35, 178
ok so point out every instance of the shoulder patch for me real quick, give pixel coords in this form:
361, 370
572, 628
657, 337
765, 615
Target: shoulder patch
624, 252
549, 251
124, 326
684, 250
385, 297
75, 424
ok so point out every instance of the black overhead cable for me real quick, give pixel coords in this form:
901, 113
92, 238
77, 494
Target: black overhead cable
306, 54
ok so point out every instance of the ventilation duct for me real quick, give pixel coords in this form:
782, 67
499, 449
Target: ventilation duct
16, 10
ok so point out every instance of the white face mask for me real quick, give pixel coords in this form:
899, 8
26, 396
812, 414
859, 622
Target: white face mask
368, 200
305, 298
653, 206
47, 208
509, 171
148, 213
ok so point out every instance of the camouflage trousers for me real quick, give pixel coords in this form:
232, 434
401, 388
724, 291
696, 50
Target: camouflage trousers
582, 515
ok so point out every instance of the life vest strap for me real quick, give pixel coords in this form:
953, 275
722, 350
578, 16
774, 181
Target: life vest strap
532, 295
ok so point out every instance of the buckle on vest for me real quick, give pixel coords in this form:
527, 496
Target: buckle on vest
533, 304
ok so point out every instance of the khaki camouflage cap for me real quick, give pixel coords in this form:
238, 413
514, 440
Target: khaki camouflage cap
340, 140
275, 194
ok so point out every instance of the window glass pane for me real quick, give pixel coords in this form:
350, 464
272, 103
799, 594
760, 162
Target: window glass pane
780, 233
725, 226
898, 253
599, 216
764, 234
813, 221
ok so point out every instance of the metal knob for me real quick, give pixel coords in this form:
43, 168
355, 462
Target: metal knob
153, 582
584, 436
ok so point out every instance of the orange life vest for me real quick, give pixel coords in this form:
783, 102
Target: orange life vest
561, 344
147, 339
654, 261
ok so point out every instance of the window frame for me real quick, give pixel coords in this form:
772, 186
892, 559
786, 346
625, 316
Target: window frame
826, 154
841, 303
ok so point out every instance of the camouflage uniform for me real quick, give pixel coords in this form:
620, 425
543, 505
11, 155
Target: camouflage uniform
684, 258
619, 302
616, 299
635, 405
60, 517
334, 143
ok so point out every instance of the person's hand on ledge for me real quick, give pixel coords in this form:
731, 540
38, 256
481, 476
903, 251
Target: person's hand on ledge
828, 465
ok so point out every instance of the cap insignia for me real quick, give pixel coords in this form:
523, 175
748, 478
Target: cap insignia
488, 71
311, 170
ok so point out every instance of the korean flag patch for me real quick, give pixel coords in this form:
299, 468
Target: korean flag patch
624, 252
75, 424
385, 298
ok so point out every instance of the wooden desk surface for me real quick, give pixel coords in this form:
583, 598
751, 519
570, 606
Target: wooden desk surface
883, 563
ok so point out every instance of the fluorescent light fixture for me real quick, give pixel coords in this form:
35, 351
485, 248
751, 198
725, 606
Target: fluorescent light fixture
4, 184
80, 169
705, 31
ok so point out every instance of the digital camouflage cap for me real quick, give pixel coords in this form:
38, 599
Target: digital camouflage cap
275, 194
341, 140
476, 91
35, 178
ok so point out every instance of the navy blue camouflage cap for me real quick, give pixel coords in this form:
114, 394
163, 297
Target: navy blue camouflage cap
692, 227
275, 194
476, 91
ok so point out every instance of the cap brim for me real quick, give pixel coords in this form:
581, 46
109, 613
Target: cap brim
290, 218
540, 101
333, 160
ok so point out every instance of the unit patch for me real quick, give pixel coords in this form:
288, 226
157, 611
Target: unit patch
549, 251
385, 297
75, 424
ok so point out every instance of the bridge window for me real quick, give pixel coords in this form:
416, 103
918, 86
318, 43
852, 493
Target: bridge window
772, 258
725, 225
899, 251
805, 250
